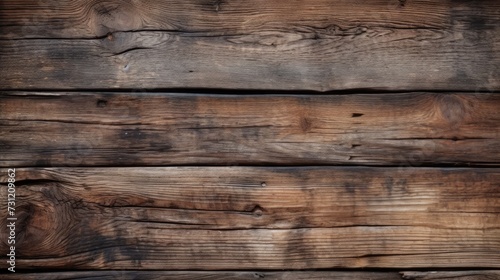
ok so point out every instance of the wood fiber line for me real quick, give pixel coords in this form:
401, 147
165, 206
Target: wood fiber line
104, 129
316, 45
256, 218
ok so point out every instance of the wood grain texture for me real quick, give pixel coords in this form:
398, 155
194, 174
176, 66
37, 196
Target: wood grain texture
208, 275
98, 129
456, 275
287, 275
223, 218
316, 45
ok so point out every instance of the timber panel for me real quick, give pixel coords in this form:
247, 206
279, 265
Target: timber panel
140, 129
288, 275
316, 45
219, 218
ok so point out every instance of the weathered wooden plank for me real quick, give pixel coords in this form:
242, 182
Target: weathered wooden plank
89, 19
289, 275
220, 218
311, 45
208, 275
456, 275
105, 129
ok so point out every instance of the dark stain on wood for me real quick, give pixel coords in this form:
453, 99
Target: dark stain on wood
306, 124
101, 103
135, 135
296, 240
350, 187
452, 109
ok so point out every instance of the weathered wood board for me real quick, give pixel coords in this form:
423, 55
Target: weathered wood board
140, 129
288, 275
219, 218
456, 275
318, 45
214, 139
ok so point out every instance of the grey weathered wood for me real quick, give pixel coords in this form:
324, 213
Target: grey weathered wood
312, 45
108, 129
220, 218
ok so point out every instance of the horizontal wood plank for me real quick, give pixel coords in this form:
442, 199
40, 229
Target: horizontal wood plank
288, 275
208, 275
456, 275
90, 19
224, 218
316, 45
108, 129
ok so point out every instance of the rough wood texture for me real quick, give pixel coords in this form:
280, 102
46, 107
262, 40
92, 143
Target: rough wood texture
219, 218
94, 129
218, 275
455, 275
259, 44
288, 275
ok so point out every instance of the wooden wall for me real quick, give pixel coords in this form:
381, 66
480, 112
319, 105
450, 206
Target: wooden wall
259, 139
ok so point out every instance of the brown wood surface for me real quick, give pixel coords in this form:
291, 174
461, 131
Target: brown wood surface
108, 129
207, 275
220, 218
316, 45
287, 275
455, 275
165, 160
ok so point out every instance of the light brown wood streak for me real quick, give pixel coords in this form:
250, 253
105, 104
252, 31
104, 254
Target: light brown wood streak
296, 45
97, 129
219, 218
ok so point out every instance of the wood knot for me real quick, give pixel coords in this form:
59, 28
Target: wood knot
452, 109
258, 211
217, 5
109, 16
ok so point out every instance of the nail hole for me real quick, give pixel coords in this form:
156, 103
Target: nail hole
102, 103
263, 184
